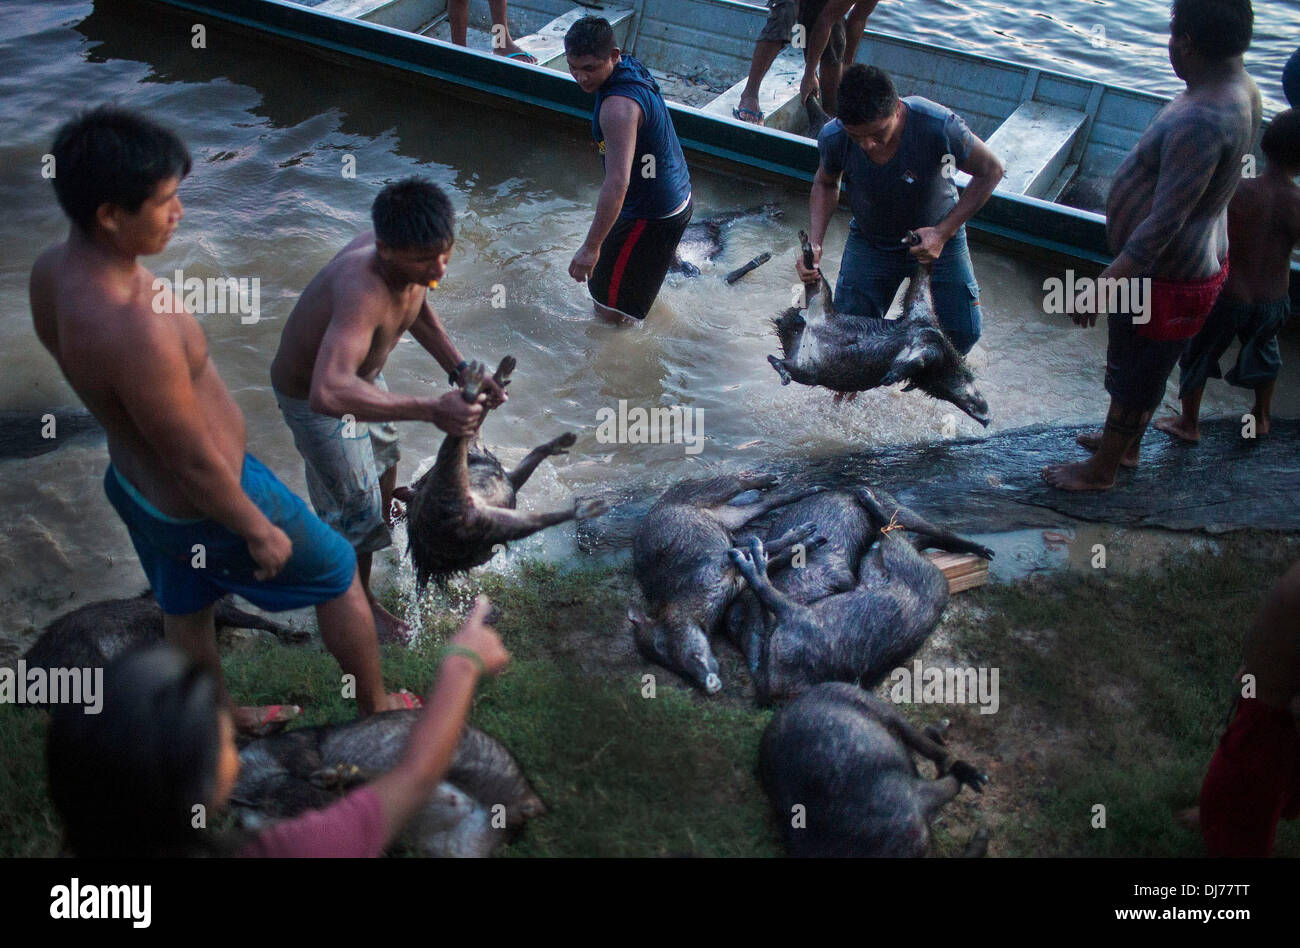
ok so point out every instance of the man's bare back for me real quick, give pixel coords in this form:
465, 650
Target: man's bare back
145, 376
1165, 209
348, 285
1263, 228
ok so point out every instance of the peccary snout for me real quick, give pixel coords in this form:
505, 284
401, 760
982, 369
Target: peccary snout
680, 646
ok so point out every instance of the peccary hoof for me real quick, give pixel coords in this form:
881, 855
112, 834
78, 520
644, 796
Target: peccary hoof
780, 369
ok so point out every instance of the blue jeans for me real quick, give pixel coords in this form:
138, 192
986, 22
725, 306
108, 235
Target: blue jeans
870, 274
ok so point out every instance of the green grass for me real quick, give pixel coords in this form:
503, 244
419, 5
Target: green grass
1136, 672
1113, 689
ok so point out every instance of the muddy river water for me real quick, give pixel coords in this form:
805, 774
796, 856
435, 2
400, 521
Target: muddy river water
272, 133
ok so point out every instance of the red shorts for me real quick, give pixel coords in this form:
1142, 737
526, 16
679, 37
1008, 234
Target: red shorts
1179, 307
1253, 781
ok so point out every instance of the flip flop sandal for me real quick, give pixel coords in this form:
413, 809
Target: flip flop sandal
412, 702
524, 57
740, 113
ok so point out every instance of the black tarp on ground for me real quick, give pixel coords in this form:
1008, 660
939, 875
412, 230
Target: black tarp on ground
22, 432
989, 485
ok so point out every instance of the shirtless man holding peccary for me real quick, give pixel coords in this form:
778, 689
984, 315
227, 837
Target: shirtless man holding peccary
327, 372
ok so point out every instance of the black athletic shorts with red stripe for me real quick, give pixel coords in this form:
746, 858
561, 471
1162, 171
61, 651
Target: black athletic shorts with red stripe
634, 259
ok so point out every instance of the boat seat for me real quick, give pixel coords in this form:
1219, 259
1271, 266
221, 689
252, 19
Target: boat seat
778, 96
1034, 144
547, 44
354, 9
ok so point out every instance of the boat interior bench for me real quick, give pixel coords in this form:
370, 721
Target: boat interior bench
547, 44
355, 9
1035, 143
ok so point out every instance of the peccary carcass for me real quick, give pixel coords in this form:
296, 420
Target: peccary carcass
310, 768
704, 239
848, 353
95, 634
680, 557
462, 511
855, 635
845, 758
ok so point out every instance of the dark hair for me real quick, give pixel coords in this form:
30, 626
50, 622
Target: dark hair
1281, 140
126, 780
414, 214
590, 36
113, 156
866, 95
1218, 29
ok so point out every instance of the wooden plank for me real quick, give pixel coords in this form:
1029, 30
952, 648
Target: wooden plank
962, 570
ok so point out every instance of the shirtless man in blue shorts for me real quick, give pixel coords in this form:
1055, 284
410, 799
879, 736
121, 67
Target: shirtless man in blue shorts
205, 516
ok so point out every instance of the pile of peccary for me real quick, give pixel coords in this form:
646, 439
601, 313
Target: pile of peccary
826, 591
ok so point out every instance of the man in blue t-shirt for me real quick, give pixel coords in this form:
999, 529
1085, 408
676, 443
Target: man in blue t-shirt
645, 202
898, 158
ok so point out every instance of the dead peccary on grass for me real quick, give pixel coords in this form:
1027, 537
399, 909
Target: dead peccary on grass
483, 802
837, 765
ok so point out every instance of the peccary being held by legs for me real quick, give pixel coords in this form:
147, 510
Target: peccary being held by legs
680, 557
845, 757
484, 800
850, 633
463, 508
847, 353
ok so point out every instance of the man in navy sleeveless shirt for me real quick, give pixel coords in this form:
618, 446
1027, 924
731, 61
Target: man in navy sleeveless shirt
898, 158
645, 202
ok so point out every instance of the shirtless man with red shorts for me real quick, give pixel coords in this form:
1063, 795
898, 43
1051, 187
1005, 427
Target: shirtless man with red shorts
1166, 220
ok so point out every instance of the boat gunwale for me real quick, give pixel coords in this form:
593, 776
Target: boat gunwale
795, 158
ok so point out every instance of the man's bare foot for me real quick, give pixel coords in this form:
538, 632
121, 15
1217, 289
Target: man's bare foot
1076, 477
515, 52
1189, 818
1262, 422
263, 720
1092, 441
402, 496
845, 398
1177, 426
390, 629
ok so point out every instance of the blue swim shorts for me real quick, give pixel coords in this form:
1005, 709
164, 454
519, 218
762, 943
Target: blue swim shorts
191, 563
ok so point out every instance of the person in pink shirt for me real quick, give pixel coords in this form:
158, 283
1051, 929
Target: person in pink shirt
126, 780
